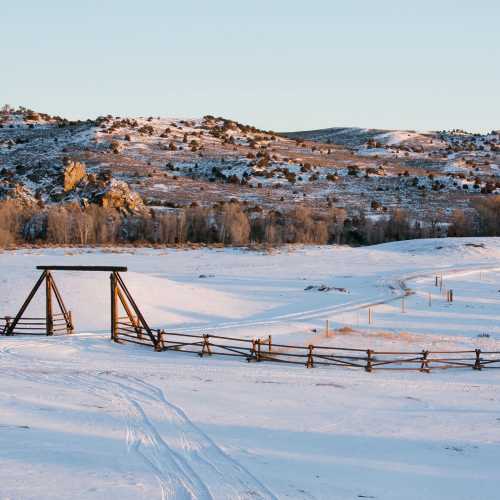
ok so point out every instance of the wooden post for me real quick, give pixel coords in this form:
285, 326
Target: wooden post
62, 307
144, 325
69, 324
134, 320
258, 350
270, 341
49, 320
160, 345
7, 325
477, 364
253, 352
114, 307
451, 295
10, 330
424, 367
310, 359
436, 281
368, 367
206, 346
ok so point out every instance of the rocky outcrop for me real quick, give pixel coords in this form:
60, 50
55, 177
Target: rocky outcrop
117, 194
73, 173
18, 192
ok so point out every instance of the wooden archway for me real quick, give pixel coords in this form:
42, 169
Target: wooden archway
55, 322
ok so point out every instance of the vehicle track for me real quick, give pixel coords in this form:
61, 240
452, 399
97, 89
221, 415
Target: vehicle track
398, 287
187, 463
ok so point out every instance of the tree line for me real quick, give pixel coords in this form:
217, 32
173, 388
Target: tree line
232, 224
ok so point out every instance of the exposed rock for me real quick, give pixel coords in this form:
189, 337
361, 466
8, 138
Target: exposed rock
119, 195
73, 173
17, 192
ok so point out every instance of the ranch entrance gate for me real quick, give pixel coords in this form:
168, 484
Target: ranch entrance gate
59, 320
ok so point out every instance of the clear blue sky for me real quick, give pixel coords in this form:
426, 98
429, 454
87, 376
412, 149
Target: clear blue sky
282, 64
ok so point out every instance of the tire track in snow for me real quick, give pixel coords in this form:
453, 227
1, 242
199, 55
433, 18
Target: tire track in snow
186, 462
217, 476
350, 306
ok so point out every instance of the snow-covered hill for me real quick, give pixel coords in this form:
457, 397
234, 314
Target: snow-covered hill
179, 162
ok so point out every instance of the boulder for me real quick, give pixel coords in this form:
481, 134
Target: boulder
117, 194
73, 173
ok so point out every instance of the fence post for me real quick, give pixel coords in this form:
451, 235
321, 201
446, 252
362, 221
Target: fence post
252, 352
69, 329
258, 350
310, 359
270, 341
206, 346
425, 362
477, 364
7, 326
160, 345
49, 321
114, 307
137, 326
368, 367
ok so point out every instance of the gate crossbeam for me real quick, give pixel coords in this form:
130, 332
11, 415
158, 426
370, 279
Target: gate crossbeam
120, 295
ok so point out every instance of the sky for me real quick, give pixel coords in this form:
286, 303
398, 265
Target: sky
276, 64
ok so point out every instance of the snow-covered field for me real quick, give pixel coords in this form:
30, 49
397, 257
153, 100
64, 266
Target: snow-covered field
81, 417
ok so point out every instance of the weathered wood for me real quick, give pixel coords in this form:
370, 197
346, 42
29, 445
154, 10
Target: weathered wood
477, 363
424, 367
114, 306
206, 346
48, 305
66, 314
310, 359
128, 311
161, 340
369, 367
134, 306
311, 356
109, 269
10, 330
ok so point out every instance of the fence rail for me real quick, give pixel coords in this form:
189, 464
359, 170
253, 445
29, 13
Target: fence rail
129, 329
60, 325
263, 349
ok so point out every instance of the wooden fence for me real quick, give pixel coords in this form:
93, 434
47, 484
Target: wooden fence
58, 324
264, 349
130, 329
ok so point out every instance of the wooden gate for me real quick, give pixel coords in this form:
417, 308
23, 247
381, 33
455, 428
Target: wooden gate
58, 319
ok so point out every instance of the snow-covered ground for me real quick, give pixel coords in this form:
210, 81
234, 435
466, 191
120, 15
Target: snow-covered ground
81, 417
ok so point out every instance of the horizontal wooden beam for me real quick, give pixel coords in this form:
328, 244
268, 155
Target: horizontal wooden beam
112, 269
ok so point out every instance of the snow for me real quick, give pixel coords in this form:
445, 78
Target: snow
82, 417
395, 137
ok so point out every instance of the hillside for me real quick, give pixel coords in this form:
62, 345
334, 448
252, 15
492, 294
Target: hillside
131, 163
